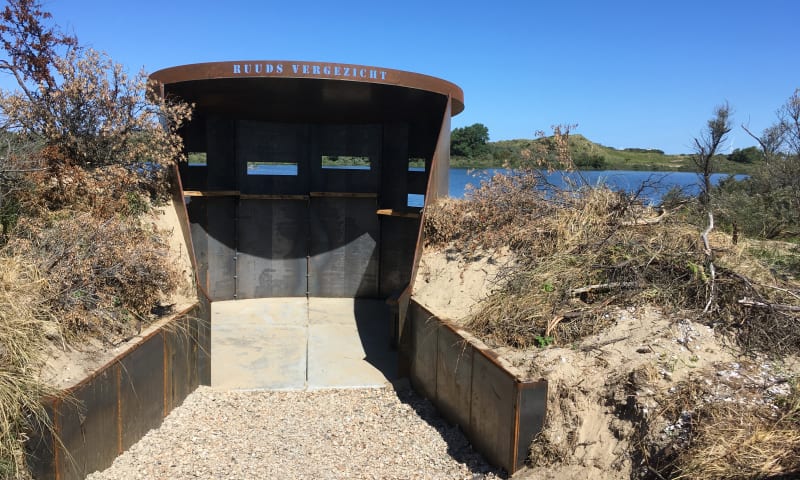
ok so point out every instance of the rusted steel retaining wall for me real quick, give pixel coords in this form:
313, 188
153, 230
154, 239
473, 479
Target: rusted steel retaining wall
471, 387
109, 411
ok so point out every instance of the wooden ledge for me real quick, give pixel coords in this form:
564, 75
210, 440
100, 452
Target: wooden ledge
397, 213
343, 194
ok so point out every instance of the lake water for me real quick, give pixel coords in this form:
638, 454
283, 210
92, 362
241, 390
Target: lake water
658, 183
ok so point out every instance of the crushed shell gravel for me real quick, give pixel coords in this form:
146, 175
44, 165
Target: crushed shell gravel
356, 433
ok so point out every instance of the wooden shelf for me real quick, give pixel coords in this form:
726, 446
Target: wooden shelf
388, 212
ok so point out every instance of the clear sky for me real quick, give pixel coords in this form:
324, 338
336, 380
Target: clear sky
629, 73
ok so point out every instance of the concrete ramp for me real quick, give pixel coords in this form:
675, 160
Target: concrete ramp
298, 343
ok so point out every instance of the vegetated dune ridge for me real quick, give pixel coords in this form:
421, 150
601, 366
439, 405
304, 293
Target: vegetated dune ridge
641, 385
605, 387
67, 363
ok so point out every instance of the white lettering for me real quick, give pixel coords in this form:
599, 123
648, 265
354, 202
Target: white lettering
383, 74
294, 68
346, 71
373, 74
257, 68
362, 73
326, 69
337, 70
279, 68
316, 69
246, 68
237, 68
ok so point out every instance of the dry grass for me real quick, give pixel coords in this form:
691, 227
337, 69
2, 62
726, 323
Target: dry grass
103, 275
724, 429
585, 251
77, 260
23, 321
743, 443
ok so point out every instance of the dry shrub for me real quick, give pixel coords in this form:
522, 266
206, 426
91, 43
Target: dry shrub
104, 276
105, 191
584, 251
743, 443
23, 318
724, 428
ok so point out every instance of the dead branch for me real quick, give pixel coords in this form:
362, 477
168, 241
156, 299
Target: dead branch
602, 287
646, 221
772, 306
710, 255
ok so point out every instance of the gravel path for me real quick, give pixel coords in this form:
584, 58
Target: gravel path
358, 433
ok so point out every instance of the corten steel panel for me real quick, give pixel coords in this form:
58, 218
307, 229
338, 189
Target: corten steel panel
87, 427
203, 347
39, 448
221, 248
221, 153
494, 397
440, 170
334, 73
181, 367
532, 411
394, 170
141, 395
198, 218
344, 247
345, 140
272, 143
425, 335
454, 377
441, 158
272, 237
399, 236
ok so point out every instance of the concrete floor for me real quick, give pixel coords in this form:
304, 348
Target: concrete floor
299, 343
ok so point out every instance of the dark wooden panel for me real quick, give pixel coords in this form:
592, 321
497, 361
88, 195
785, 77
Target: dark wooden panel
221, 248
272, 237
399, 235
344, 247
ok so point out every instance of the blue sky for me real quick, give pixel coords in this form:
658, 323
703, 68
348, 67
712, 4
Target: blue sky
629, 73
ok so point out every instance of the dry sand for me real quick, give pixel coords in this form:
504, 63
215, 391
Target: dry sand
595, 384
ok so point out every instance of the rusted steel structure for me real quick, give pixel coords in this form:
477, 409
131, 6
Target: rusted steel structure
299, 182
472, 387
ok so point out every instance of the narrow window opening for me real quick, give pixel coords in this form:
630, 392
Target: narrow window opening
345, 162
416, 200
272, 168
197, 159
416, 164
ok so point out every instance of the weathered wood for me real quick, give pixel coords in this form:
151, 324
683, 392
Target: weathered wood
395, 213
772, 306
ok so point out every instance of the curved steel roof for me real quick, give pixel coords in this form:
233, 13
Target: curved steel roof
254, 69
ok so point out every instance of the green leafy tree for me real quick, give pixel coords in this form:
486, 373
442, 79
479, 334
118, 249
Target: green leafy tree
746, 155
469, 141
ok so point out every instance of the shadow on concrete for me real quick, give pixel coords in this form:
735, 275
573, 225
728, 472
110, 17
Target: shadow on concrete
373, 321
